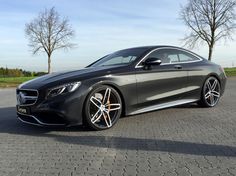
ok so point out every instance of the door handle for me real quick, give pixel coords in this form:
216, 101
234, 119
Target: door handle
178, 67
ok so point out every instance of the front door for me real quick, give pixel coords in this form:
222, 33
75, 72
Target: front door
162, 83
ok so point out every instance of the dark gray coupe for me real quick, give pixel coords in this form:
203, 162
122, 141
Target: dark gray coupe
127, 82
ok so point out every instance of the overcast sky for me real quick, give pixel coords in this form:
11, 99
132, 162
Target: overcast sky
102, 26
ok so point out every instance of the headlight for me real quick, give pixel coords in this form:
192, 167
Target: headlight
66, 88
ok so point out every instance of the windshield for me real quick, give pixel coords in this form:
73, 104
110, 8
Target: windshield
123, 57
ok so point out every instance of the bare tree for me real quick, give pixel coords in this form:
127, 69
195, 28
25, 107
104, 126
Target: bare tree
209, 21
48, 32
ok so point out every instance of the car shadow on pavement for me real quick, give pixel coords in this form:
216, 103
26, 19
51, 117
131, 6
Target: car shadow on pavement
9, 124
172, 146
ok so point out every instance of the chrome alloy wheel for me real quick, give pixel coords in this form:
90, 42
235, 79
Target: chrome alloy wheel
104, 108
212, 91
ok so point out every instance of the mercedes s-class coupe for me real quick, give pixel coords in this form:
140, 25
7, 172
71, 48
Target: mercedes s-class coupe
126, 82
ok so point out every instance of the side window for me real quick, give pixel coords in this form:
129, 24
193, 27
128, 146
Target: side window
173, 58
166, 56
186, 57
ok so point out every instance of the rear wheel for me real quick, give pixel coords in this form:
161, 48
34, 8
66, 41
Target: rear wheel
210, 92
103, 108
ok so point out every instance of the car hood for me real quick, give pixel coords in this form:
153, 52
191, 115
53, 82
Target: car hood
65, 77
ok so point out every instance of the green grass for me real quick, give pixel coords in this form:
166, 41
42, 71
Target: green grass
13, 81
230, 71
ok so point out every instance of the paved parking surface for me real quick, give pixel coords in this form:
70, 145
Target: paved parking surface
185, 140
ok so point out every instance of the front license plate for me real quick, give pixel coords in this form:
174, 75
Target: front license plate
22, 110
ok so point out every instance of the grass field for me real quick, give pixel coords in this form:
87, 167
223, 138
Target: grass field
230, 71
13, 81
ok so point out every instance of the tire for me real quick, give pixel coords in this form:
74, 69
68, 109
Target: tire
210, 92
103, 108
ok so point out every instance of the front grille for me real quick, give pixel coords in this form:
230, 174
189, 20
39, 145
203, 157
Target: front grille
26, 97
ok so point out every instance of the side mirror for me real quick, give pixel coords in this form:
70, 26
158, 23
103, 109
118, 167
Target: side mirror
152, 61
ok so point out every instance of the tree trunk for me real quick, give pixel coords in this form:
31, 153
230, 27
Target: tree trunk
210, 52
49, 64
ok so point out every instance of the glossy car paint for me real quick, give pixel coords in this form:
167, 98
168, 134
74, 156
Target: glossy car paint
141, 88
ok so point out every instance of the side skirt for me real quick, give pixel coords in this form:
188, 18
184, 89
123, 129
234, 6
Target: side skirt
164, 105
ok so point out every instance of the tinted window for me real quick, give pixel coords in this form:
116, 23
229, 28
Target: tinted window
186, 57
119, 60
166, 55
123, 57
173, 56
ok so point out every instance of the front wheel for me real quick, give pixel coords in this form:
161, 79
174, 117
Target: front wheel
210, 92
103, 108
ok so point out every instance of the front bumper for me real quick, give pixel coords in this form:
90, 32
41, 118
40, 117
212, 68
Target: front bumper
64, 110
33, 120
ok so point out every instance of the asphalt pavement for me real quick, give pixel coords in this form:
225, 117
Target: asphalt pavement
185, 140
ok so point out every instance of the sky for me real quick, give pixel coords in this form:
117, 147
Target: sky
101, 27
